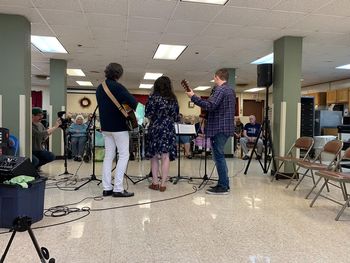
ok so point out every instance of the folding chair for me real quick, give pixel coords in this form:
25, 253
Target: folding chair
332, 149
303, 143
337, 177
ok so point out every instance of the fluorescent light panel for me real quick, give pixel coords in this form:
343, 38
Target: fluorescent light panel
145, 86
202, 88
75, 72
85, 83
254, 90
152, 76
169, 52
268, 59
48, 44
213, 2
347, 66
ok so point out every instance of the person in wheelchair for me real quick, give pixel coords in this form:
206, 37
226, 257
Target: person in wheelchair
78, 137
200, 141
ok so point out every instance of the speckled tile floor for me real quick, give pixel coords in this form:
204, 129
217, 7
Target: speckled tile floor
258, 221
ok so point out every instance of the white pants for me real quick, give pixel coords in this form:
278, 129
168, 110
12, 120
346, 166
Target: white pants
115, 140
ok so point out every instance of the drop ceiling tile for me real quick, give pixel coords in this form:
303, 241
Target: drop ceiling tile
278, 19
19, 3
143, 36
107, 21
336, 8
176, 39
186, 27
222, 30
102, 34
147, 24
196, 12
67, 18
68, 5
300, 5
114, 7
40, 29
323, 23
265, 4
239, 16
152, 8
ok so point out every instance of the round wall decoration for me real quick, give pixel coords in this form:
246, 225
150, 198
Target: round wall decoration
85, 102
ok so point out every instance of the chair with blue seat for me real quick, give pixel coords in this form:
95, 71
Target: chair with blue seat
13, 145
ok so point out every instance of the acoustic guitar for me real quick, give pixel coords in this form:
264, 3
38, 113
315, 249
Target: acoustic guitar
186, 86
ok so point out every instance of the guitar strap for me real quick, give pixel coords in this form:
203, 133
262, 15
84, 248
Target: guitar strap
115, 101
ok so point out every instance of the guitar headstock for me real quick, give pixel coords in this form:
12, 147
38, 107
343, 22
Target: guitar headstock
184, 84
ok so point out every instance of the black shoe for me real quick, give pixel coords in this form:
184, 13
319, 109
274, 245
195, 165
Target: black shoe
189, 156
246, 157
212, 187
79, 159
123, 194
258, 157
107, 192
217, 191
75, 158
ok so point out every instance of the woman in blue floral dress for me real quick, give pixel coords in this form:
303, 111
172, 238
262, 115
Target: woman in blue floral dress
162, 109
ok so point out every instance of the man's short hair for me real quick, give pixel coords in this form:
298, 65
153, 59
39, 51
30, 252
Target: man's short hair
114, 71
36, 111
222, 74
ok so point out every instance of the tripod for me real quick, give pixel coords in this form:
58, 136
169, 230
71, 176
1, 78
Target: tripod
92, 176
22, 224
265, 130
64, 129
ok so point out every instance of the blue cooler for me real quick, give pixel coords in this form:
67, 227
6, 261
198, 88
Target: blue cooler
16, 201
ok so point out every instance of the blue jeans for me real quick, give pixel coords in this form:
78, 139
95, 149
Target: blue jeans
218, 143
40, 158
78, 145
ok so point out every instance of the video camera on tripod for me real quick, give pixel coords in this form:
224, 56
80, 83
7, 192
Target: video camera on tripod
65, 122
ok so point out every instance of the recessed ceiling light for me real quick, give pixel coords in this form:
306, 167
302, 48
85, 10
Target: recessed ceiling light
268, 59
75, 72
152, 76
85, 83
347, 66
254, 89
48, 44
145, 86
169, 52
202, 88
213, 2
212, 80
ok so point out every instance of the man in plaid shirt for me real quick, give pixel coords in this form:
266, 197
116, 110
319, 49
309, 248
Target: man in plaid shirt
220, 107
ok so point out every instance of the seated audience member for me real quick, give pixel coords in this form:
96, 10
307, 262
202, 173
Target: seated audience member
200, 137
78, 135
40, 134
185, 140
250, 134
238, 131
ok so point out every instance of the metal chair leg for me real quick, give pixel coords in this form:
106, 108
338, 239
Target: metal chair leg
318, 193
312, 189
343, 208
302, 178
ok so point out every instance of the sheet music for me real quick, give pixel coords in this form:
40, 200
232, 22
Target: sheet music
185, 129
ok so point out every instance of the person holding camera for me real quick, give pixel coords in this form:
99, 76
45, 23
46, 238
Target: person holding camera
78, 137
114, 130
40, 155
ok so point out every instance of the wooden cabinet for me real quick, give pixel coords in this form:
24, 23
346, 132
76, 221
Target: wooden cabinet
331, 97
342, 95
320, 98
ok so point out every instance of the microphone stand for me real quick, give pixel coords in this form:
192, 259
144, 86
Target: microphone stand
92, 176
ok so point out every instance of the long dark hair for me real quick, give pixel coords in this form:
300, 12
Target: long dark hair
163, 87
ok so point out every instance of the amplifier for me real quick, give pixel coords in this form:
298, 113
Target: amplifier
12, 166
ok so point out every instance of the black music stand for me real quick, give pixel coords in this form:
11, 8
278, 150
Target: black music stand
205, 177
92, 176
181, 130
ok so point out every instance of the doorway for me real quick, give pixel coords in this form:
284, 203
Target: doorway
253, 107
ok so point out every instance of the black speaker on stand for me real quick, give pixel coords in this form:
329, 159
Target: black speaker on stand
265, 79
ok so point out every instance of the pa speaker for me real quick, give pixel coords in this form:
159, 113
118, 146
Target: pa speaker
264, 75
12, 166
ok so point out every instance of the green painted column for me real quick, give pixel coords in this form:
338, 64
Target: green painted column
58, 101
229, 146
15, 79
286, 93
